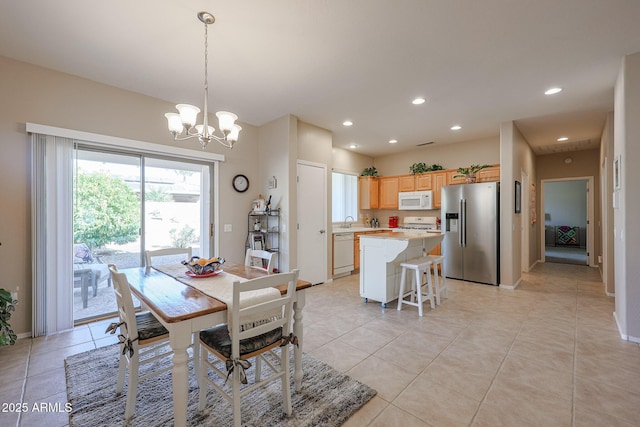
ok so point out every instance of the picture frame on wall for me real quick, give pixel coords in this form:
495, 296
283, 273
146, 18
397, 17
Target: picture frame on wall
617, 170
518, 197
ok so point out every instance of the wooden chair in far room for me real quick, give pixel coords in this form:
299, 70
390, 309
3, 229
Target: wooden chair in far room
140, 334
167, 252
259, 259
234, 347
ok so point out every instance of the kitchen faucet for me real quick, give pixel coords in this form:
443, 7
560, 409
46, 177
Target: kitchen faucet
346, 225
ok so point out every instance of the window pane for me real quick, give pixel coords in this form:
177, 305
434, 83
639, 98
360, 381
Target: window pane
344, 196
174, 214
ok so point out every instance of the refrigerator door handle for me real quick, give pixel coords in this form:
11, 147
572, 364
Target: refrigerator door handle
463, 226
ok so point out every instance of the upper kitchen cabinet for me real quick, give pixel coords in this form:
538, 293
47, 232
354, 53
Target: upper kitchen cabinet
389, 187
406, 183
451, 180
368, 192
423, 181
490, 174
439, 181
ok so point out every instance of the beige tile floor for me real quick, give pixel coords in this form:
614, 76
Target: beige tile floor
546, 354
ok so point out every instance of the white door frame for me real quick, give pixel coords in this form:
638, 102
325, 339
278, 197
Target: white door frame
590, 215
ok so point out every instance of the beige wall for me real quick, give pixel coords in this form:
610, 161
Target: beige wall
450, 156
38, 95
585, 164
516, 157
626, 238
348, 161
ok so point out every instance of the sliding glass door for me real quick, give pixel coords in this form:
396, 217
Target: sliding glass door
125, 204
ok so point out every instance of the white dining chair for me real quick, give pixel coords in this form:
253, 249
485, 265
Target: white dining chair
233, 348
186, 252
259, 259
140, 335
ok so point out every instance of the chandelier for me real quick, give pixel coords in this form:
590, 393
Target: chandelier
182, 125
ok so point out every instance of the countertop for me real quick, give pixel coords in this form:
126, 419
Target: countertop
399, 235
361, 229
357, 229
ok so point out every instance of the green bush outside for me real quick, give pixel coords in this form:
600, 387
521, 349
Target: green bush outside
105, 211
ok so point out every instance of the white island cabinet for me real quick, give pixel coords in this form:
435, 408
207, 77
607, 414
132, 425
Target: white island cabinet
380, 258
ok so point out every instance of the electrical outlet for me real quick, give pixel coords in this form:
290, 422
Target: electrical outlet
14, 295
228, 228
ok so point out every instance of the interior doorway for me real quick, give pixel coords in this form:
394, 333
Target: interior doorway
567, 236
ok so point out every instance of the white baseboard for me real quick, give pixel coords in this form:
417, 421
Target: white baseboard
622, 335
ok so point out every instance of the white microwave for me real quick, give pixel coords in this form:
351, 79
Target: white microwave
415, 200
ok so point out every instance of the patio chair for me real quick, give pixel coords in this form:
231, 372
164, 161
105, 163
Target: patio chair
89, 271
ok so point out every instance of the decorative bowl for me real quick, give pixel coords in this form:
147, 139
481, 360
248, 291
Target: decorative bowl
200, 266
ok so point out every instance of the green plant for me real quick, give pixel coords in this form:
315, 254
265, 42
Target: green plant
105, 211
7, 305
417, 168
371, 171
470, 172
422, 167
184, 237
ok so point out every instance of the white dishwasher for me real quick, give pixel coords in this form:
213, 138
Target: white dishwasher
342, 254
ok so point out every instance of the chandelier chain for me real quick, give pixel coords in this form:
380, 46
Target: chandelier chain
206, 55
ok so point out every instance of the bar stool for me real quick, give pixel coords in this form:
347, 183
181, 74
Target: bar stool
418, 266
439, 284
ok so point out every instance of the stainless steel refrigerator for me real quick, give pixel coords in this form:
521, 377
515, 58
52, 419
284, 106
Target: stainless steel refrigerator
471, 244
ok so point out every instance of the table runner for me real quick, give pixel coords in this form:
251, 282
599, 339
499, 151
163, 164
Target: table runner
220, 287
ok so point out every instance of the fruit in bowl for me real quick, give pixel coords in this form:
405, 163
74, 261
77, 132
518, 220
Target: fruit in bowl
200, 266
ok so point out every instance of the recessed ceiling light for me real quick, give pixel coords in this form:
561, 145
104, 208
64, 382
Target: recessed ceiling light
456, 127
562, 139
353, 145
393, 141
553, 91
418, 101
347, 123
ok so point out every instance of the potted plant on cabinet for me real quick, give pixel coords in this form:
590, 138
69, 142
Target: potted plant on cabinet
422, 167
470, 173
7, 305
371, 171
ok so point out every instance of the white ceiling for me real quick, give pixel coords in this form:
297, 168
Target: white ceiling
478, 63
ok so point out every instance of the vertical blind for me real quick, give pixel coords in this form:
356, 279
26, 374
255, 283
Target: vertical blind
52, 233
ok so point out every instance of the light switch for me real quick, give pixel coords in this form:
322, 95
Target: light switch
228, 228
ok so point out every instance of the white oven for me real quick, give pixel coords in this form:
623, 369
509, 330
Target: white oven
415, 200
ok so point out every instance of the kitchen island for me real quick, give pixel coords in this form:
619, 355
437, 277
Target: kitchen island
380, 258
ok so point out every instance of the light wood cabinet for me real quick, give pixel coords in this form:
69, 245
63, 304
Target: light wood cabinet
451, 180
491, 174
439, 180
389, 187
368, 192
382, 192
406, 183
423, 181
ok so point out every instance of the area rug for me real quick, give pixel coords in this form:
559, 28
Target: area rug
327, 397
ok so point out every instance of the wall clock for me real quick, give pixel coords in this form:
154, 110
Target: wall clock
240, 183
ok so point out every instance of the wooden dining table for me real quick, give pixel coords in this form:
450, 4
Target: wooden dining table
184, 310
